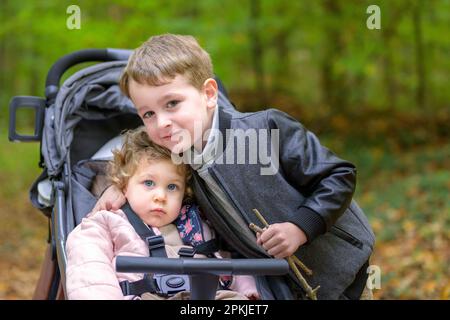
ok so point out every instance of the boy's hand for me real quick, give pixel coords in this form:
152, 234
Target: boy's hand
281, 240
112, 199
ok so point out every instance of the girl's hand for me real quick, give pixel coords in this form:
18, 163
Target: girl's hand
253, 295
281, 240
112, 199
245, 285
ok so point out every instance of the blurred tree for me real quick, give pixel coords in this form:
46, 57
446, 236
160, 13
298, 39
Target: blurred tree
389, 33
4, 58
301, 54
257, 51
418, 8
333, 80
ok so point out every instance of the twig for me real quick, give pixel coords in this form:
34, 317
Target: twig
302, 265
261, 218
311, 293
292, 260
255, 228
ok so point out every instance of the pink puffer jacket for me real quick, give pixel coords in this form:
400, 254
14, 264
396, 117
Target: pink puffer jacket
92, 248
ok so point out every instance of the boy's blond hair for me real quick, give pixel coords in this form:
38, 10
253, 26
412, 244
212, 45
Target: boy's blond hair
161, 58
137, 147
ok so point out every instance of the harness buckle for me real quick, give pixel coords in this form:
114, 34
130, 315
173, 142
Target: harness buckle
186, 252
170, 284
155, 242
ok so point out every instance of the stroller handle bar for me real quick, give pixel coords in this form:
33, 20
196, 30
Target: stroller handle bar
202, 266
203, 273
63, 64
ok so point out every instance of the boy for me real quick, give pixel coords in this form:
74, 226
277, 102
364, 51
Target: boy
304, 191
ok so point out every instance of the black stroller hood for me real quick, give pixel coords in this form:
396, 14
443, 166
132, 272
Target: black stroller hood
93, 94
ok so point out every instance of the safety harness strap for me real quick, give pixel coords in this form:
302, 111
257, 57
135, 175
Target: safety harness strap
155, 243
161, 284
156, 248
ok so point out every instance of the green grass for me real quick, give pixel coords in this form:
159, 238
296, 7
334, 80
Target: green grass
22, 228
394, 186
18, 166
420, 198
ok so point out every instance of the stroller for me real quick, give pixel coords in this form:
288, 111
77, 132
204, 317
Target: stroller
77, 125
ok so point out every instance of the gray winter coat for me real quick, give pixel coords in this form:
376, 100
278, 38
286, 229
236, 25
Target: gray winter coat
310, 187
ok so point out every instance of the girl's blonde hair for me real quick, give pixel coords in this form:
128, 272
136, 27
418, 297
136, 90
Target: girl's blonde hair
161, 58
137, 147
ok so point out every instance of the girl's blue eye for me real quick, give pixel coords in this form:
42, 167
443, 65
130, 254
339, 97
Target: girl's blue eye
148, 114
172, 187
172, 103
149, 183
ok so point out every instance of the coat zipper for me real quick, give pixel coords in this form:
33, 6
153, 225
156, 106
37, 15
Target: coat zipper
344, 235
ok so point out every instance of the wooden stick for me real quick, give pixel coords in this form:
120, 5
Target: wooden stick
302, 265
261, 218
292, 260
255, 228
312, 294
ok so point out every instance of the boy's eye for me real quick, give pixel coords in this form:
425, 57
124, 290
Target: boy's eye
148, 114
172, 187
149, 183
172, 103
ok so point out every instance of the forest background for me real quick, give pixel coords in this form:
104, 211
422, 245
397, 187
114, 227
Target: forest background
376, 97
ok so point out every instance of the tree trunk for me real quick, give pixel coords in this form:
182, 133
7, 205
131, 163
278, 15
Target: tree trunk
333, 85
4, 84
420, 55
282, 69
282, 64
388, 33
257, 52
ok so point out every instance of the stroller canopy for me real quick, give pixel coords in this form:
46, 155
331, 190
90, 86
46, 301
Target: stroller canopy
92, 95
